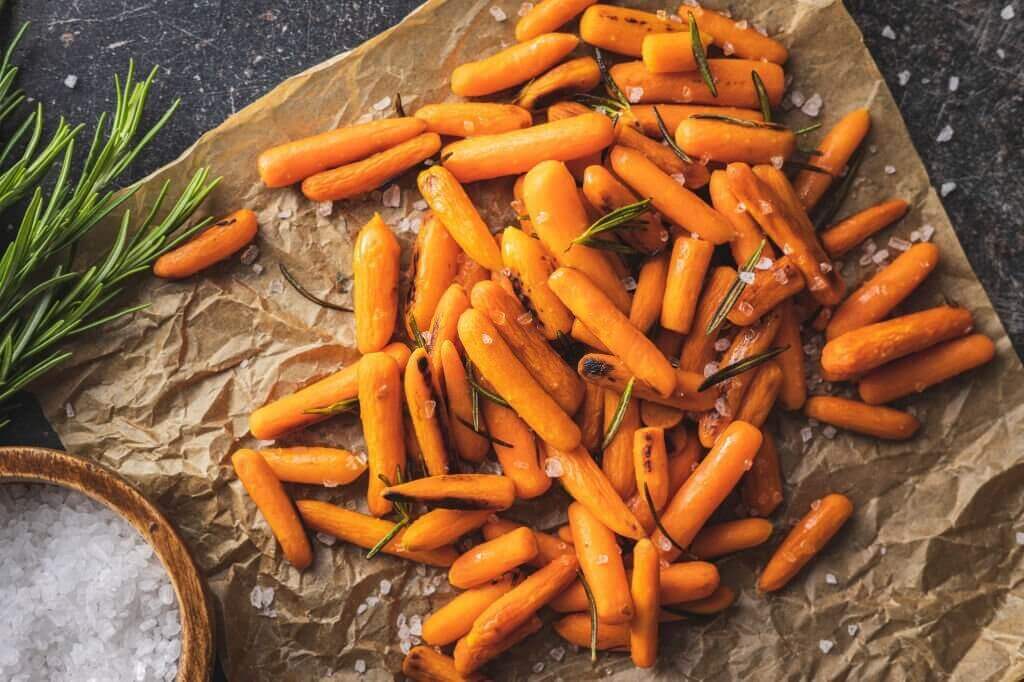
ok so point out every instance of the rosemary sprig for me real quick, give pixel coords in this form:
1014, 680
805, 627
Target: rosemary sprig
669, 139
474, 395
835, 200
762, 96
701, 55
733, 294
339, 407
610, 86
657, 522
593, 615
620, 413
620, 217
803, 165
740, 367
807, 129
305, 293
604, 105
417, 335
739, 121
484, 434
404, 513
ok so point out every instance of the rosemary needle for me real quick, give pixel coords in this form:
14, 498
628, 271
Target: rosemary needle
620, 217
737, 368
593, 615
701, 55
733, 294
620, 413
669, 140
762, 96
302, 291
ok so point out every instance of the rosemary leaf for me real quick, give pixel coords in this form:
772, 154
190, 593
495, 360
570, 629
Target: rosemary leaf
657, 522
620, 217
290, 278
490, 395
399, 108
807, 129
620, 413
335, 408
803, 165
593, 615
701, 55
474, 395
733, 294
389, 536
739, 121
835, 200
762, 96
669, 139
614, 247
417, 335
740, 367
610, 86
484, 434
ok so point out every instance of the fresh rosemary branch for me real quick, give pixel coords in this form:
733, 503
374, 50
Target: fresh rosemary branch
701, 55
335, 408
592, 607
404, 517
762, 96
620, 217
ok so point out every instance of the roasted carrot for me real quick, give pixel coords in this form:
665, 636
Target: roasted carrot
471, 445
674, 114
517, 151
699, 347
617, 457
871, 420
425, 413
604, 191
736, 37
807, 538
781, 280
297, 160
375, 284
725, 141
454, 619
549, 547
512, 66
922, 370
529, 265
761, 394
218, 242
687, 581
622, 30
471, 654
719, 600
366, 531
575, 75
513, 382
793, 392
363, 176
650, 462
423, 664
440, 527
835, 151
590, 416
848, 233
470, 272
671, 52
762, 485
548, 15
862, 350
575, 629
691, 174
520, 461
489, 560
467, 119
380, 410
708, 486
877, 297
315, 466
687, 266
586, 337
456, 491
611, 373
659, 416
453, 207
731, 536
678, 204
435, 264
684, 458
601, 562
732, 78
748, 235
645, 586
444, 326
649, 293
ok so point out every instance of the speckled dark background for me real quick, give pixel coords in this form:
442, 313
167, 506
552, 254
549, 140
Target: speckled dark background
219, 55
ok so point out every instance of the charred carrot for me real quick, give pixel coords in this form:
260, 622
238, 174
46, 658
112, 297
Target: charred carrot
435, 264
456, 491
575, 75
807, 538
470, 444
467, 119
489, 560
549, 547
650, 462
761, 394
512, 66
453, 207
617, 456
611, 373
674, 114
575, 629
771, 286
516, 448
793, 392
375, 284
762, 485
363, 176
529, 265
687, 266
315, 466
471, 654
601, 562
732, 78
693, 175
845, 235
645, 586
699, 347
548, 15
380, 411
423, 664
671, 52
726, 142
291, 162
218, 242
425, 413
719, 600
836, 149
622, 30
440, 527
454, 619
604, 191
748, 235
590, 416
737, 38
871, 420
731, 536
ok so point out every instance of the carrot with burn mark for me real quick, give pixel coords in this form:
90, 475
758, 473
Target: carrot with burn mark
836, 149
743, 39
471, 445
732, 78
468, 119
273, 502
423, 664
216, 243
604, 191
611, 373
313, 465
576, 75
617, 455
622, 30
364, 176
530, 264
650, 463
807, 538
425, 410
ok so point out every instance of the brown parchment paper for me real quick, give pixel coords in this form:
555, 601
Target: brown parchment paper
928, 573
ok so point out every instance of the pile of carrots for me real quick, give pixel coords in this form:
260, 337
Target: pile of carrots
629, 338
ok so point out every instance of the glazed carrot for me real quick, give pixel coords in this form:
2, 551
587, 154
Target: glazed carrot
731, 536
877, 297
678, 204
453, 207
807, 538
575, 75
527, 343
549, 547
471, 654
467, 119
732, 78
529, 265
836, 149
843, 236
517, 151
726, 142
645, 585
781, 280
512, 66
563, 110
575, 629
590, 416
658, 415
519, 462
380, 411
587, 484
793, 392
693, 175
699, 347
719, 600
761, 394
919, 371
290, 162
565, 533
670, 52
687, 266
216, 243
548, 15
604, 191
366, 531
601, 562
650, 462
375, 284
598, 313
611, 373
444, 326
489, 560
559, 217
435, 260
762, 485
586, 337
862, 350
470, 445
440, 527
424, 412
470, 272
708, 486
684, 459
674, 114
499, 365
363, 176
872, 420
687, 581
748, 235
454, 619
617, 457
273, 502
315, 466
623, 30
735, 37
456, 491
423, 664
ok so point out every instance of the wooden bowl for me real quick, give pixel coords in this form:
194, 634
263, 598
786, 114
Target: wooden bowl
40, 465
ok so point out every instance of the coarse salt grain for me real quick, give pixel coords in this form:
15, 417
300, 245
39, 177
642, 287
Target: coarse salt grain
831, 579
880, 256
601, 559
385, 587
741, 207
829, 432
71, 81
679, 178
524, 318
927, 232
525, 9
69, 410
249, 256
392, 197
954, 83
806, 434
746, 277
257, 268
797, 98
629, 284
945, 135
728, 49
712, 367
722, 407
947, 188
852, 630
778, 161
486, 338
898, 244
1020, 538
826, 645
764, 264
812, 107
890, 170
558, 653
553, 467
538, 667
903, 77
498, 14
325, 539
284, 214
382, 104
722, 345
1008, 12
634, 94
360, 666
420, 205
887, 32
324, 208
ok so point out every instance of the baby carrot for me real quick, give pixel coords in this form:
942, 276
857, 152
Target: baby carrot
467, 119
548, 15
645, 585
699, 347
877, 297
694, 175
872, 420
736, 38
649, 293
380, 411
366, 531
218, 242
725, 142
650, 462
762, 485
807, 538
670, 52
423, 664
454, 619
586, 337
512, 66
435, 260
269, 496
375, 284
719, 600
781, 280
731, 536
836, 149
793, 392
456, 491
517, 151
675, 202
363, 176
469, 444
315, 466
549, 547
732, 78
513, 382
687, 581
687, 266
470, 654
846, 234
575, 75
748, 236
470, 272
708, 486
563, 110
590, 416
293, 161
919, 371
529, 265
658, 415
425, 411
443, 326
453, 207
862, 350
489, 560
617, 457
685, 458
604, 191
611, 373
601, 562
760, 396
516, 448
575, 629
440, 527
623, 30
674, 114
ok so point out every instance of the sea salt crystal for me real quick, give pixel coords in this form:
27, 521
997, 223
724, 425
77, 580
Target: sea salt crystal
385, 587
945, 135
898, 244
634, 94
538, 667
831, 579
558, 653
812, 107
257, 268
601, 559
392, 197
629, 284
954, 83
679, 178
1008, 12
722, 407
903, 77
741, 207
249, 256
662, 14
486, 338
778, 161
69, 410
826, 645
781, 277
829, 432
797, 98
825, 266
325, 539
553, 467
712, 367
887, 32
664, 544
880, 256
766, 207
722, 345
915, 236
890, 170
852, 630
525, 9
869, 246
284, 214
498, 14
947, 188
71, 81
927, 232
743, 24
728, 49
1020, 538
324, 208
806, 434
419, 205
525, 319
382, 104
360, 666
1001, 53
746, 277
429, 407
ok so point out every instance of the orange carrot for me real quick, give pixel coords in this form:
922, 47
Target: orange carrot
425, 409
748, 236
440, 527
694, 175
549, 547
781, 280
699, 347
645, 586
872, 420
761, 394
435, 264
617, 457
731, 536
453, 207
836, 149
604, 191
843, 236
726, 142
575, 75
622, 30
380, 410
732, 78
512, 66
548, 15
660, 416
467, 119
529, 265
671, 52
315, 466
650, 292
611, 373
674, 114
601, 562
520, 461
423, 664
719, 600
375, 284
575, 629
794, 383
454, 619
470, 445
218, 242
456, 491
735, 37
807, 538
363, 176
762, 485
489, 560
590, 416
687, 581
688, 265
650, 462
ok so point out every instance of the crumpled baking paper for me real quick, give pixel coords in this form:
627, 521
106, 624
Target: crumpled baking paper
927, 575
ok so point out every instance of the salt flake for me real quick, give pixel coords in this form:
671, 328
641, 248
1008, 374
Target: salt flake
71, 81
553, 467
954, 83
945, 135
498, 14
826, 645
888, 33
903, 77
382, 104
1008, 12
392, 197
946, 188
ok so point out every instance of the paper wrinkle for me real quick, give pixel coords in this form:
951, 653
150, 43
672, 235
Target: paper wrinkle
928, 568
